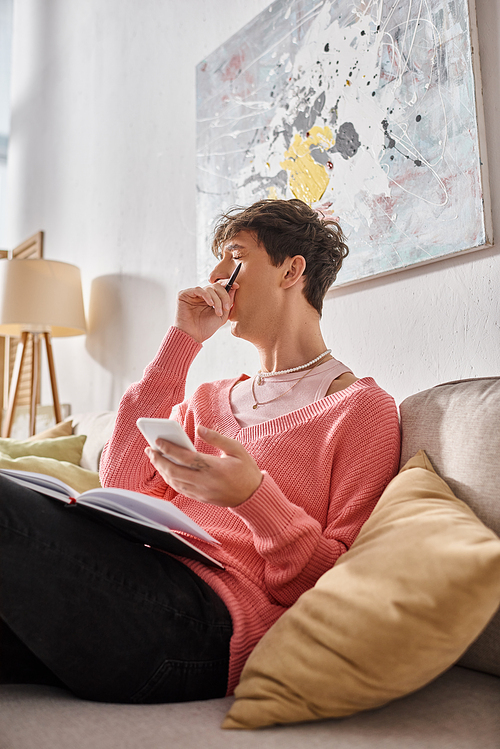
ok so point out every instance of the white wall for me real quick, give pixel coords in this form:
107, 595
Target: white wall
102, 158
5, 60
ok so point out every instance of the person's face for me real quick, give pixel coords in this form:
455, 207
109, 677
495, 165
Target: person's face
258, 282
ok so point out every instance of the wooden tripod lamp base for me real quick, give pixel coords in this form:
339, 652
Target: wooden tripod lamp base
35, 368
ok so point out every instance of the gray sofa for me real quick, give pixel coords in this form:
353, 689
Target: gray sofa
458, 425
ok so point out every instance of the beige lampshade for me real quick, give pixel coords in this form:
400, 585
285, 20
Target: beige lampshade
41, 295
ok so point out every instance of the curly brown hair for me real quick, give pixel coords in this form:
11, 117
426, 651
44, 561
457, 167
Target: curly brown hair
286, 228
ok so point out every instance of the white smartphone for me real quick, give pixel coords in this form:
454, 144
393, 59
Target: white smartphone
164, 429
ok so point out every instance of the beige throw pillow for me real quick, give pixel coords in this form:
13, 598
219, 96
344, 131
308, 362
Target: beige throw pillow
415, 589
63, 429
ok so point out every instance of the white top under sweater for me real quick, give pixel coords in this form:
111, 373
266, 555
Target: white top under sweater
313, 387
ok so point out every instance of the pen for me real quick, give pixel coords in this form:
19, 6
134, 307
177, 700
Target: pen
233, 277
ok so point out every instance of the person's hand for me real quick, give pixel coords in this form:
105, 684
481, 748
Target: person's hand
201, 311
226, 481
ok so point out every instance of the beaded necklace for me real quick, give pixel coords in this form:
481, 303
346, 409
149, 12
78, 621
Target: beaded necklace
261, 375
314, 363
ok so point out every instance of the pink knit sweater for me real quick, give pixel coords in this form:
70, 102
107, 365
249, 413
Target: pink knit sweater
325, 466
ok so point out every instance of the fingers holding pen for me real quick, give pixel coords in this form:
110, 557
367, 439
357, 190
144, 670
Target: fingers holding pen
214, 295
202, 310
225, 293
222, 301
211, 298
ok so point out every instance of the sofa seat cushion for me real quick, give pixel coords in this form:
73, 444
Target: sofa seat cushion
417, 586
457, 711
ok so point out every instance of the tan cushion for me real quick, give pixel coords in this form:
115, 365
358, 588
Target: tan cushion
417, 586
63, 429
78, 478
59, 448
457, 424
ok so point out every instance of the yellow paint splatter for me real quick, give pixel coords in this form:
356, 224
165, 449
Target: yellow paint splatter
308, 180
272, 194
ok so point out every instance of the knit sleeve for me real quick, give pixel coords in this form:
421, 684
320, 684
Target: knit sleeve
296, 548
124, 463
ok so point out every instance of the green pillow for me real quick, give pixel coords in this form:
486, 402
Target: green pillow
78, 478
59, 448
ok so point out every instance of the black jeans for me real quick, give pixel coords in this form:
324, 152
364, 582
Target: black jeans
112, 620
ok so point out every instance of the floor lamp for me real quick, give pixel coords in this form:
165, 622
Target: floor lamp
39, 299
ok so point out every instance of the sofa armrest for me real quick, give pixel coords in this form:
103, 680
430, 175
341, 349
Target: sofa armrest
98, 426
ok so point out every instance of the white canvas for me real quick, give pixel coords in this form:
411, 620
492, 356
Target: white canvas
365, 109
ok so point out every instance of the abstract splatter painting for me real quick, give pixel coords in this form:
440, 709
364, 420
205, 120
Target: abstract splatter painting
368, 110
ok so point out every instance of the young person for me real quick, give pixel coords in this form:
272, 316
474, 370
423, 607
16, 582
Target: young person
289, 464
